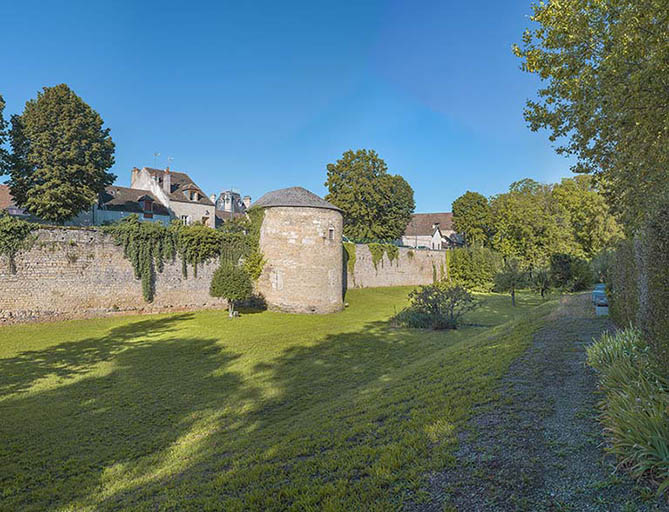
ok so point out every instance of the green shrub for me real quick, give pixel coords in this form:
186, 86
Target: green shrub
474, 267
232, 283
436, 306
635, 408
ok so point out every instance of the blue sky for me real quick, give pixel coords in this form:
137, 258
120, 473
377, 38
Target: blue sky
262, 95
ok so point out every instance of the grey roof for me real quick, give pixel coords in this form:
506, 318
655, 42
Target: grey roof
126, 199
293, 196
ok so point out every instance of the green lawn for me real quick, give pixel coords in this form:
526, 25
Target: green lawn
268, 411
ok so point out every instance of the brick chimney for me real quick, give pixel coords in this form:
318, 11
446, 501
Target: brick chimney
167, 181
247, 201
133, 176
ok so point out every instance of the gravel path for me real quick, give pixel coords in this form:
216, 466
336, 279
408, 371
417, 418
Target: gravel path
538, 446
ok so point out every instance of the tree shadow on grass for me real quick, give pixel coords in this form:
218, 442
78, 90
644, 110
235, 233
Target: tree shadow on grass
62, 445
109, 440
70, 359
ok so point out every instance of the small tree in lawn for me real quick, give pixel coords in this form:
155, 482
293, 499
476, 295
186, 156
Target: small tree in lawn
510, 278
232, 283
541, 281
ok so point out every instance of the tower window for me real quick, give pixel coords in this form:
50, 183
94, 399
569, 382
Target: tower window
331, 233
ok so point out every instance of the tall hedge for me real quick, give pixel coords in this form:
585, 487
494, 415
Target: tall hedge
638, 283
652, 247
621, 286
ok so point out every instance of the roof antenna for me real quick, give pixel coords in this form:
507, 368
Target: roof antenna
155, 158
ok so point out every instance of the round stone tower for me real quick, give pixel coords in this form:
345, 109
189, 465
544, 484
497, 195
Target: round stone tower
301, 240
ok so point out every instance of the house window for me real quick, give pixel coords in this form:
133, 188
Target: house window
186, 220
331, 233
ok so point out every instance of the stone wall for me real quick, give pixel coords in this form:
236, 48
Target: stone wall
73, 273
412, 267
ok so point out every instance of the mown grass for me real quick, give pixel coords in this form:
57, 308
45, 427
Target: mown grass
266, 412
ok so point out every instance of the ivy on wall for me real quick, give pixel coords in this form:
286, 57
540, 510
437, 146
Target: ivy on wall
378, 250
147, 245
349, 247
15, 236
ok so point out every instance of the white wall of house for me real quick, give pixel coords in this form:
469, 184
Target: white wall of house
191, 212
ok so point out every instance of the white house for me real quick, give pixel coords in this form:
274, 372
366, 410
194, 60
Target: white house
431, 231
178, 193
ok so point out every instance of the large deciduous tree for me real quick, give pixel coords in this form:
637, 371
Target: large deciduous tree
592, 223
528, 225
60, 155
376, 205
471, 217
605, 93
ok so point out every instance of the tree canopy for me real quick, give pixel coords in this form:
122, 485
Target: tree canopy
605, 93
533, 221
471, 217
376, 205
60, 155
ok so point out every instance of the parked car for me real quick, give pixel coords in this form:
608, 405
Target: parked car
599, 295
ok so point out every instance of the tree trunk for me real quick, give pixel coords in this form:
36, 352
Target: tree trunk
231, 309
513, 296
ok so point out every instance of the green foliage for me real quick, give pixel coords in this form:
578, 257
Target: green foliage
15, 236
603, 96
570, 272
635, 409
474, 267
376, 205
410, 254
60, 155
198, 243
529, 225
146, 245
542, 281
378, 250
254, 264
510, 278
653, 256
232, 283
622, 287
436, 306
350, 257
590, 219
472, 218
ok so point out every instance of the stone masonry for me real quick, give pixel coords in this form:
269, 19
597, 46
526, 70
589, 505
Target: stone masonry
81, 272
411, 268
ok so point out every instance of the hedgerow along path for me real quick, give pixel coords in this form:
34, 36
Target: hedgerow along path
269, 411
